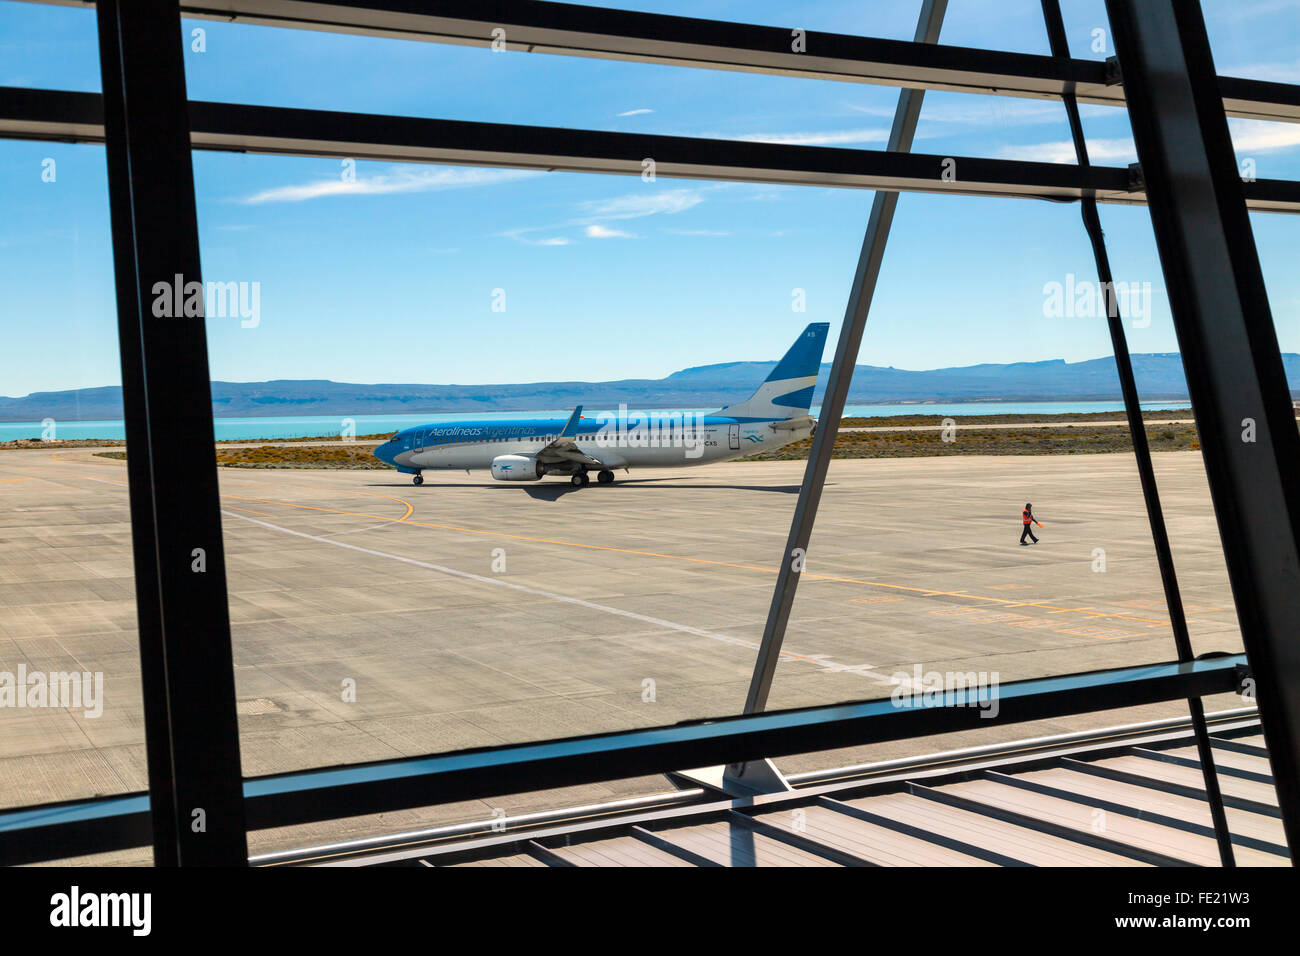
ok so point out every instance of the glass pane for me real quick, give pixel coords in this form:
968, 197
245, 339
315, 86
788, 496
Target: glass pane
875, 18
70, 702
1001, 127
986, 381
313, 70
51, 47
1015, 26
1180, 473
1087, 29
1254, 40
317, 70
373, 617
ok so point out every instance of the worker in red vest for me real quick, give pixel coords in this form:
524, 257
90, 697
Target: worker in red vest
1027, 517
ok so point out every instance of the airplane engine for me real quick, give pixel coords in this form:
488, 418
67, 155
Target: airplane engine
517, 468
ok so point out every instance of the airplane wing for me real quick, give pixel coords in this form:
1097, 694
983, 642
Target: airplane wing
565, 447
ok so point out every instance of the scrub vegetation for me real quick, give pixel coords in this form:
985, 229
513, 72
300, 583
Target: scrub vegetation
1065, 440
348, 456
345, 456
903, 421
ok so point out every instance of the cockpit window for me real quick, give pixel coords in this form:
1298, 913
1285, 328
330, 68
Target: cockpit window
396, 435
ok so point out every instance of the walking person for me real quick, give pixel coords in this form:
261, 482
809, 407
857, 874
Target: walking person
1027, 518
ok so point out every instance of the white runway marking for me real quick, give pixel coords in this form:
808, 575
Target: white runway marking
819, 660
383, 524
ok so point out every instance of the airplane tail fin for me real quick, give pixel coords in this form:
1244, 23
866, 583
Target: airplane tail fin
788, 391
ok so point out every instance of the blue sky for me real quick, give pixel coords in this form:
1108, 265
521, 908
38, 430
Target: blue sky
390, 277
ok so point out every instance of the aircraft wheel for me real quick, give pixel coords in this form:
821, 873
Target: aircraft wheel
418, 480
605, 477
578, 480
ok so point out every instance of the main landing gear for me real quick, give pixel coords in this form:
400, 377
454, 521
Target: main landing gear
581, 478
418, 480
605, 476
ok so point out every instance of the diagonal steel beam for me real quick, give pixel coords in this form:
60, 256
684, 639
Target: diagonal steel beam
837, 388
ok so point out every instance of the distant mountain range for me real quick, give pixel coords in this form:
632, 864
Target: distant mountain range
1159, 376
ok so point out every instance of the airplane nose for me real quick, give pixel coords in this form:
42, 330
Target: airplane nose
385, 453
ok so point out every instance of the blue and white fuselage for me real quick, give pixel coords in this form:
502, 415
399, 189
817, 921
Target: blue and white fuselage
529, 449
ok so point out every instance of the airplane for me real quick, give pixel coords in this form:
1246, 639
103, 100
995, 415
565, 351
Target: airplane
530, 449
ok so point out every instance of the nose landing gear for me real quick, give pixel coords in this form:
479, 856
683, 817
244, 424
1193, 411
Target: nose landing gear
418, 480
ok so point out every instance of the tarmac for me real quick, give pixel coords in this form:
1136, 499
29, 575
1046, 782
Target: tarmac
372, 619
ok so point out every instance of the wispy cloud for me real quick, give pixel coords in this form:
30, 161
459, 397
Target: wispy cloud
839, 137
635, 112
834, 137
596, 231
594, 213
401, 179
1245, 11
968, 110
636, 205
1004, 111
1248, 136
1062, 151
698, 232
1262, 136
872, 110
1278, 72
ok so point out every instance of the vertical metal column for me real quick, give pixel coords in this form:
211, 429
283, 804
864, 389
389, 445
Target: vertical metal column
1141, 451
187, 675
841, 376
1229, 346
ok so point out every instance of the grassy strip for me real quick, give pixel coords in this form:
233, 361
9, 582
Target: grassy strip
70, 443
901, 421
273, 456
315, 456
1076, 440
366, 438
118, 443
